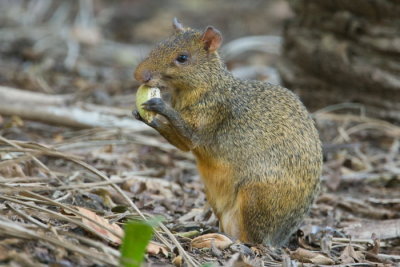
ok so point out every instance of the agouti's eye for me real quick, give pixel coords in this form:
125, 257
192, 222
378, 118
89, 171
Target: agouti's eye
183, 58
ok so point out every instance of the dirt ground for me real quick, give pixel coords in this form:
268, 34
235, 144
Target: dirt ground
56, 180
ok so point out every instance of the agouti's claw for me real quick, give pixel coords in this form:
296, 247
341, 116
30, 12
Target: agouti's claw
155, 104
137, 116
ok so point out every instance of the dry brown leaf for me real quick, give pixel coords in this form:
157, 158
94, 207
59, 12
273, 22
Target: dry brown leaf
377, 246
206, 241
153, 185
155, 248
307, 256
378, 261
349, 255
14, 170
99, 230
4, 253
321, 259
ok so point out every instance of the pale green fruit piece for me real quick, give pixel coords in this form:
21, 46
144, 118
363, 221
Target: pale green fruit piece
143, 94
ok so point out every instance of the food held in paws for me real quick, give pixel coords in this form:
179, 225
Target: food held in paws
143, 94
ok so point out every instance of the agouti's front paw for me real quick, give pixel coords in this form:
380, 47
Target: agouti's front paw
137, 116
156, 105
154, 123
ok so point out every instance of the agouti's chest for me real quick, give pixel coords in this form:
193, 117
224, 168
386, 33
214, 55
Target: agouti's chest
204, 117
218, 179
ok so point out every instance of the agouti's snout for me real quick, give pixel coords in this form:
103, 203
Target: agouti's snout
143, 76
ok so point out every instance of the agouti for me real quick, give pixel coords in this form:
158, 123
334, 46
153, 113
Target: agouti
257, 149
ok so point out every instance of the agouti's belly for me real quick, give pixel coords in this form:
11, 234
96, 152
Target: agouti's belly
219, 187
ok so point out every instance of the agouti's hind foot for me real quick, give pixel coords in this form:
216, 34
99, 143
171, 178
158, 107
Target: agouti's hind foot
220, 241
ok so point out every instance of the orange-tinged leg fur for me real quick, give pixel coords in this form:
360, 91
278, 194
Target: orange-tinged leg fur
229, 221
221, 195
269, 213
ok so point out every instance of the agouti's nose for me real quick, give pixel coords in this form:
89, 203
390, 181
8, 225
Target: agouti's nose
143, 76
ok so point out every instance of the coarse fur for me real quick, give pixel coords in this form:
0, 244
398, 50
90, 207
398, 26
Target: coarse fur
257, 149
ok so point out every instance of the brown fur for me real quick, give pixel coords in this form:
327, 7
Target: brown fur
257, 149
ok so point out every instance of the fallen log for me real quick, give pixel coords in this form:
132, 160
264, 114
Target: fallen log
63, 110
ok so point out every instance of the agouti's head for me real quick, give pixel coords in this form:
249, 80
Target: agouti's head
186, 60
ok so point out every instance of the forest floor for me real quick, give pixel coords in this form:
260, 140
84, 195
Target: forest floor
56, 180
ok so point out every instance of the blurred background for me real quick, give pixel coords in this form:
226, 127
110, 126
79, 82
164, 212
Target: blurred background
329, 53
92, 47
66, 84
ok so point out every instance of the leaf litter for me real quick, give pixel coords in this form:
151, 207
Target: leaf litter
66, 193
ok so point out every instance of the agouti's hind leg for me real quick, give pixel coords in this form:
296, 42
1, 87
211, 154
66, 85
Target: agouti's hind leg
266, 214
229, 222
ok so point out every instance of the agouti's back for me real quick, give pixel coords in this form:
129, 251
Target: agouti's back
257, 148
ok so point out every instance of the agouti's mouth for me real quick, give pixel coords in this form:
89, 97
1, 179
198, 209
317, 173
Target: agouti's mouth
163, 88
157, 83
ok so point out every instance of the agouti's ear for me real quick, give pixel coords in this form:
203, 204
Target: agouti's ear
212, 39
177, 25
